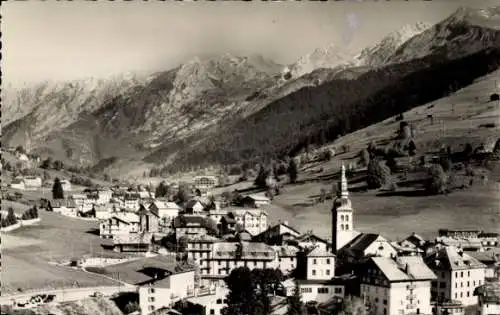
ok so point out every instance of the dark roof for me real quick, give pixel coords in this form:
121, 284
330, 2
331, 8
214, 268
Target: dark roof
57, 203
333, 281
183, 221
228, 219
360, 242
304, 237
191, 203
144, 211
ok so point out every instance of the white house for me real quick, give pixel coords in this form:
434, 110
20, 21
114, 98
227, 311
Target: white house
316, 276
83, 203
194, 207
104, 195
167, 211
458, 275
252, 220
32, 183
205, 183
17, 183
256, 201
103, 212
397, 286
287, 257
64, 206
488, 297
213, 298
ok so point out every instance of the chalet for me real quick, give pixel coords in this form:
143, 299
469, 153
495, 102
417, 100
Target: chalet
277, 234
367, 244
227, 225
488, 298
397, 286
190, 226
17, 183
27, 183
104, 195
131, 202
309, 240
83, 203
287, 257
205, 183
252, 220
64, 206
255, 201
133, 242
103, 212
447, 308
194, 207
167, 211
120, 223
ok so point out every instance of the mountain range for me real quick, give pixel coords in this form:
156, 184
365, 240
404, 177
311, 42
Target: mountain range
233, 109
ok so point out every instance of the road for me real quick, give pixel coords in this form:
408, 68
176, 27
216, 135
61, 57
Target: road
67, 295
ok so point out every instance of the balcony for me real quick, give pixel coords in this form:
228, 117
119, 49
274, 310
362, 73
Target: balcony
411, 297
201, 292
410, 287
410, 306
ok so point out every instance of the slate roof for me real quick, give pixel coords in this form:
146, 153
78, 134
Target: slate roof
319, 252
361, 242
409, 268
486, 257
189, 220
449, 258
249, 251
191, 203
58, 203
490, 292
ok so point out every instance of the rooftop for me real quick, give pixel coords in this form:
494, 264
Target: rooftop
409, 268
319, 252
450, 258
58, 203
490, 292
361, 242
246, 250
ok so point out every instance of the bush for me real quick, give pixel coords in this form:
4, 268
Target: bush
364, 157
437, 180
378, 174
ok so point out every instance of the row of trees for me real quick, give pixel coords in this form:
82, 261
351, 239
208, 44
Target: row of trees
9, 219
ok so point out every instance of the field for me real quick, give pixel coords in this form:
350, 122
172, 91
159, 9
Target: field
26, 254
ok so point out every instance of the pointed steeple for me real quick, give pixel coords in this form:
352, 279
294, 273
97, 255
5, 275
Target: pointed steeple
343, 184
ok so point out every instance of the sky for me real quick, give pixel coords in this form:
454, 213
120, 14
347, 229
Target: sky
61, 40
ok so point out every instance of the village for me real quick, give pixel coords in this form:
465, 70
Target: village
185, 244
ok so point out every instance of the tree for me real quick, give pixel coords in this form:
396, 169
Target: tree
161, 190
436, 181
378, 174
260, 180
57, 189
241, 297
183, 194
11, 217
353, 306
58, 165
47, 163
445, 163
20, 149
292, 171
182, 244
130, 307
295, 304
364, 157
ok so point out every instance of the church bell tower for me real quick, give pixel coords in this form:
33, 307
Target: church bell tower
342, 216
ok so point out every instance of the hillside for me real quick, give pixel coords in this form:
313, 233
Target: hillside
318, 114
73, 123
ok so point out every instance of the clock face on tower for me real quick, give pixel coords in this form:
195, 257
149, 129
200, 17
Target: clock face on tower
342, 215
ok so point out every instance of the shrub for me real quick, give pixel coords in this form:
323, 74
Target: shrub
378, 174
437, 180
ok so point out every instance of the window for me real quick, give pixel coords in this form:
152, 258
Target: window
385, 303
151, 307
461, 294
314, 261
220, 263
338, 290
456, 285
347, 226
442, 274
468, 273
474, 283
323, 290
385, 311
151, 299
376, 300
255, 263
219, 301
456, 295
306, 290
461, 274
327, 272
342, 218
468, 283
151, 290
467, 293
314, 272
479, 282
461, 284
456, 274
328, 260
212, 312
442, 285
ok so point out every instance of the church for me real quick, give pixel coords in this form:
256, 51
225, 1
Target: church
342, 217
